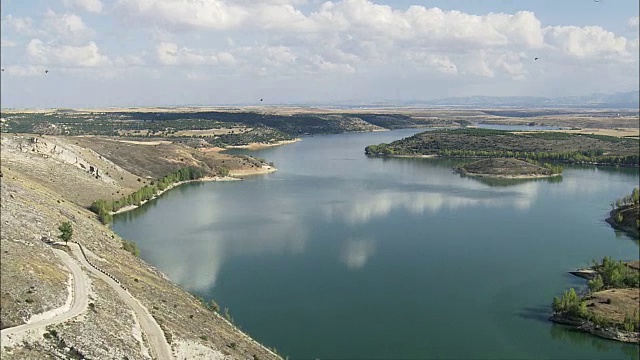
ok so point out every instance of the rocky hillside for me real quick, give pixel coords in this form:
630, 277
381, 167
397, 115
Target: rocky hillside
49, 180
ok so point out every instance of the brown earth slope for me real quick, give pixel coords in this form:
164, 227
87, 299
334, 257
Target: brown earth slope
42, 188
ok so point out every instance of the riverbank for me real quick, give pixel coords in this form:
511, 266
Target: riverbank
258, 146
208, 178
610, 333
626, 219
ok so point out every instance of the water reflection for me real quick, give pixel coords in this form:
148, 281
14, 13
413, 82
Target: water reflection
365, 206
193, 251
356, 252
510, 182
567, 334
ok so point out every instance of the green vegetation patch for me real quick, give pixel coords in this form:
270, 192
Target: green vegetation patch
538, 146
103, 208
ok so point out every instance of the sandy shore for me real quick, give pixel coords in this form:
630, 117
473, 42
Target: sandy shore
266, 169
257, 146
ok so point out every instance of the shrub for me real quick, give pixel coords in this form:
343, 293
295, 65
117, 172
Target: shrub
131, 247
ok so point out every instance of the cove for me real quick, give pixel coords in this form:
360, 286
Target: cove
337, 255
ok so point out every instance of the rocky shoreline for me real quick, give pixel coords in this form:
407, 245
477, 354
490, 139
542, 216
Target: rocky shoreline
611, 333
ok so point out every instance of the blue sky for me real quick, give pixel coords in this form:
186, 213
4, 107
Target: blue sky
179, 52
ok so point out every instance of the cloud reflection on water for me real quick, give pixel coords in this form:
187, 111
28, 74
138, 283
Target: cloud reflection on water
356, 252
215, 236
366, 206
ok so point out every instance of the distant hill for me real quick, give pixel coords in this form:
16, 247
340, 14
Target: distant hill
620, 100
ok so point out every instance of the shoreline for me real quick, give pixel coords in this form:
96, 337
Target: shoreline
593, 329
204, 179
233, 176
258, 145
266, 169
497, 176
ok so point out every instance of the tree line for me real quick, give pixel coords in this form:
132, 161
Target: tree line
103, 208
587, 156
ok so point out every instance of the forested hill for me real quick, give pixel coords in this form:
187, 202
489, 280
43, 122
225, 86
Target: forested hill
553, 146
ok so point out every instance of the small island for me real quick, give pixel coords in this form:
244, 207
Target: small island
611, 306
507, 168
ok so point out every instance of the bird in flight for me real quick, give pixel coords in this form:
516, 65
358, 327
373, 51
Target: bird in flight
46, 71
536, 59
2, 69
261, 99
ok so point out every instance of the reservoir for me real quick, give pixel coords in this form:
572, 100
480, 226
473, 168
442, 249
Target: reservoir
337, 255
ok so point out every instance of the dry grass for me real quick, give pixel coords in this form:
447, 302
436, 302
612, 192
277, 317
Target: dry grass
614, 304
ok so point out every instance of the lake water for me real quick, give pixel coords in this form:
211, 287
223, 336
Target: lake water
338, 255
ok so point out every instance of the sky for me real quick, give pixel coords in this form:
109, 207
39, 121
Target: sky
101, 53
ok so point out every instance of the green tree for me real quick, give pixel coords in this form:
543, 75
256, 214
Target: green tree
596, 284
66, 231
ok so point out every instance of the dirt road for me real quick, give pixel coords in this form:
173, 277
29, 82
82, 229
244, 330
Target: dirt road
150, 327
80, 299
79, 302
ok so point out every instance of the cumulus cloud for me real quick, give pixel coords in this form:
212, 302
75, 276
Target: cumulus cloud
68, 27
346, 36
66, 55
22, 25
585, 42
179, 14
93, 6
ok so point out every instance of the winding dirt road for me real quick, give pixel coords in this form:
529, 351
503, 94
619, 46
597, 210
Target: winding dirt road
154, 334
79, 302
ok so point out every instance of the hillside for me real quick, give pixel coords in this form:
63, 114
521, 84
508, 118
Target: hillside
50, 180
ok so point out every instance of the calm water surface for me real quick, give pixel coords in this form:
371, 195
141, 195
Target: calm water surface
340, 256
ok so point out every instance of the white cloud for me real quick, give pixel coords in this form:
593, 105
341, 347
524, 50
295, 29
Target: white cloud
69, 27
634, 22
94, 6
213, 14
22, 25
587, 42
28, 70
348, 35
65, 55
170, 54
